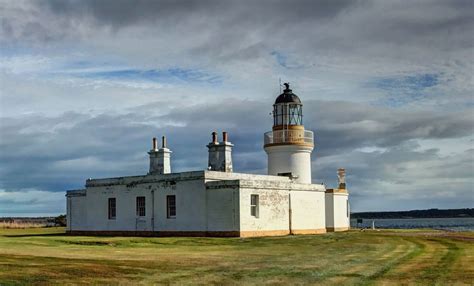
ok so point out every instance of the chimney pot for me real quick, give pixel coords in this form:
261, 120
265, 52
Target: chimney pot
224, 136
163, 142
214, 137
155, 145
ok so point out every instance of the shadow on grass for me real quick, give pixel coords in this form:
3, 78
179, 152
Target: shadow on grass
34, 235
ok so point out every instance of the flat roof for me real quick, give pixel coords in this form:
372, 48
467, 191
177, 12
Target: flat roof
206, 175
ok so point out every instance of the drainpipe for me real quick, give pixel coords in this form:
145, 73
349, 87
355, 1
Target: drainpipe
152, 210
289, 212
70, 213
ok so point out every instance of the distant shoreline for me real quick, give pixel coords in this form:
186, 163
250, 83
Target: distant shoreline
430, 213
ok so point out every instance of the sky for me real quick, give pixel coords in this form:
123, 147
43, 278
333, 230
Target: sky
387, 87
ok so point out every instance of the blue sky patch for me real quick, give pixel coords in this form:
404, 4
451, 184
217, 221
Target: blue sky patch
282, 60
414, 82
157, 75
405, 89
186, 75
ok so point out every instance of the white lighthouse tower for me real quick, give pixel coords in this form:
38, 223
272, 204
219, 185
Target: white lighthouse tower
289, 145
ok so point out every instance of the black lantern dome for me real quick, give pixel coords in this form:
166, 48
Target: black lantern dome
287, 96
288, 109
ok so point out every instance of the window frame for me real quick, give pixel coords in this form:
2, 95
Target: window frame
255, 205
141, 206
112, 208
171, 208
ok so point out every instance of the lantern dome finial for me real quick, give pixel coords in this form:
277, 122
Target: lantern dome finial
287, 96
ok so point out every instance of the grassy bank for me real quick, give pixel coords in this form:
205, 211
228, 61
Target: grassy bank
44, 256
14, 224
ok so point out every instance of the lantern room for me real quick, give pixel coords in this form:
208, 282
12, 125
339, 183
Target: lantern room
287, 109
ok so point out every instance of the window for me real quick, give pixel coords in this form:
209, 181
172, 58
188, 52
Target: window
170, 206
112, 208
140, 206
254, 205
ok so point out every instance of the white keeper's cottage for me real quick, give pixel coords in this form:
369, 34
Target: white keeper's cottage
216, 201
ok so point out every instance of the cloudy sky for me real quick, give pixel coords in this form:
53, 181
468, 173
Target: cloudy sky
387, 87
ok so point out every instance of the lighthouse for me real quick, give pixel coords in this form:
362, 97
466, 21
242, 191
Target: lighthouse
289, 145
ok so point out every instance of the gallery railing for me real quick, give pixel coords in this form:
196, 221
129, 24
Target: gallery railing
289, 136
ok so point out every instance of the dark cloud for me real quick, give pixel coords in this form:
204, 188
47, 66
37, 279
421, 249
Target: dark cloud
57, 153
228, 30
123, 12
343, 126
402, 177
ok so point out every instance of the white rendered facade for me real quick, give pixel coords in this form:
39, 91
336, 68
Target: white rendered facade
207, 203
216, 201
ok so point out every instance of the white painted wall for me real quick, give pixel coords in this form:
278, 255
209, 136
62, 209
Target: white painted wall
197, 209
307, 210
190, 207
77, 215
206, 201
191, 212
97, 208
223, 209
341, 218
290, 158
336, 210
273, 210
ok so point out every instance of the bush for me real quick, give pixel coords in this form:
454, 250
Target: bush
60, 220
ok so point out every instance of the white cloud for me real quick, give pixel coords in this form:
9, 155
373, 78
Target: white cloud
31, 202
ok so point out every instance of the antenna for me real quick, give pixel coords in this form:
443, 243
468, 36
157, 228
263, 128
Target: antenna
280, 84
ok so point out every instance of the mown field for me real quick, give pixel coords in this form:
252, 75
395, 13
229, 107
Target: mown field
424, 257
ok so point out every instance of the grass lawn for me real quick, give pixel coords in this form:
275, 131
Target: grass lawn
424, 257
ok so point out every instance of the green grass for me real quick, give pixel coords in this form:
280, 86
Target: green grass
420, 257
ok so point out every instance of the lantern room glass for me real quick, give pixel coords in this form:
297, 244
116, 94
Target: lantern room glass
287, 114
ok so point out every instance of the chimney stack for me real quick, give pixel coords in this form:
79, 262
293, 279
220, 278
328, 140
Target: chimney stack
220, 154
341, 175
160, 159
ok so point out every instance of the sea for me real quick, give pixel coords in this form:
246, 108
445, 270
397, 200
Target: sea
451, 224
